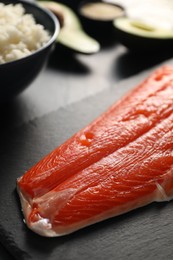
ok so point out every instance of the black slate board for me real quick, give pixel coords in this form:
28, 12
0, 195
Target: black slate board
145, 233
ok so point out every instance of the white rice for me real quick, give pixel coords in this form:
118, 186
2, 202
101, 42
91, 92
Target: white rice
19, 33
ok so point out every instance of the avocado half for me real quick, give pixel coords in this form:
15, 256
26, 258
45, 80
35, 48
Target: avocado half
140, 36
71, 34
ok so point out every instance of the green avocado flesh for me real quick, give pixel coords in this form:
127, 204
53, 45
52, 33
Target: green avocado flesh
71, 34
141, 29
78, 41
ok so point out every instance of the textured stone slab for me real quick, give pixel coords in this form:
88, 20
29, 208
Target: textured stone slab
145, 233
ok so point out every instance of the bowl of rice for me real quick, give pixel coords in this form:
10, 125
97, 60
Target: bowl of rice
27, 35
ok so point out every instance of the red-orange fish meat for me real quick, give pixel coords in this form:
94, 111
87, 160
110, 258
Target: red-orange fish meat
121, 161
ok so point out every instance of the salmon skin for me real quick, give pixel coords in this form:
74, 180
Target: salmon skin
121, 161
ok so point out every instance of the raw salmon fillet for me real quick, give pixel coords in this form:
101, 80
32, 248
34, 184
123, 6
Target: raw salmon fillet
121, 161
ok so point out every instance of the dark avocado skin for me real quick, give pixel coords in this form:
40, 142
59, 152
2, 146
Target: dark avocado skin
140, 43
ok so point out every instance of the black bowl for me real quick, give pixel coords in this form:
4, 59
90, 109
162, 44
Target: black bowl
15, 76
98, 27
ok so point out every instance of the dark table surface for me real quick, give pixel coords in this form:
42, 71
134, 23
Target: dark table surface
68, 78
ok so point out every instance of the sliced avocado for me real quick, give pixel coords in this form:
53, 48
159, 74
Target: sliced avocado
139, 35
71, 34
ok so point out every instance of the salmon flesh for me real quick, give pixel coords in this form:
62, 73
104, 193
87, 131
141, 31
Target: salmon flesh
121, 161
